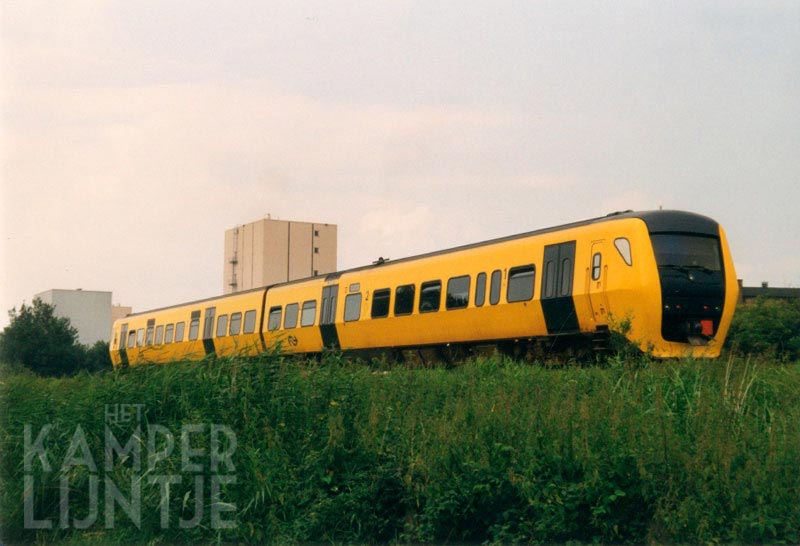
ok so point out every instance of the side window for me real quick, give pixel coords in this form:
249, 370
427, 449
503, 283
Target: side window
352, 307
566, 277
222, 325
380, 303
180, 327
274, 321
549, 289
236, 324
480, 290
520, 283
139, 337
309, 315
148, 338
404, 299
194, 325
430, 296
131, 338
623, 246
290, 318
457, 292
597, 262
250, 321
494, 291
168, 333
159, 334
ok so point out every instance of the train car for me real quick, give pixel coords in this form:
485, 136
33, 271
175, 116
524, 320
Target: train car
663, 279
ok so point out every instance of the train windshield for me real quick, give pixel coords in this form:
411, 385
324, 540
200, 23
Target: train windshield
679, 250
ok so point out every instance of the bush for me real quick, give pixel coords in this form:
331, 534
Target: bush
768, 327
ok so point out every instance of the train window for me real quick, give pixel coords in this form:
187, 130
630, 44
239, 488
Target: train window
352, 307
194, 325
520, 283
404, 299
457, 292
250, 321
159, 334
480, 290
168, 333
139, 337
274, 318
380, 303
550, 280
222, 325
148, 339
494, 289
430, 296
624, 248
290, 318
597, 262
179, 329
236, 324
309, 315
131, 338
566, 277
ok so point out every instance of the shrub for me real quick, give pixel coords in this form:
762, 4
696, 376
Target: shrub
767, 327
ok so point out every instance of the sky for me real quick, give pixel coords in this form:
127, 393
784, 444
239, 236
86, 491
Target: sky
135, 133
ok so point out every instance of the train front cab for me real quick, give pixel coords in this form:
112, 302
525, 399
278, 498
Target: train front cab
674, 289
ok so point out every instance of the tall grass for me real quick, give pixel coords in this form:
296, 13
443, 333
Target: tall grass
634, 451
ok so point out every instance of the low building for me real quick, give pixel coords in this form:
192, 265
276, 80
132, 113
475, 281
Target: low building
89, 311
748, 294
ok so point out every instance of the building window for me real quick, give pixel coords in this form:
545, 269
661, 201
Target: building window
430, 296
316, 250
457, 292
352, 307
404, 299
309, 315
380, 303
520, 283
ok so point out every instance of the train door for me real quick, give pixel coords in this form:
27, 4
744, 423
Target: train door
327, 321
597, 278
556, 293
208, 331
122, 345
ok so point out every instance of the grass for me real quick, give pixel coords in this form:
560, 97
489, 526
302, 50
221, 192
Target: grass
333, 451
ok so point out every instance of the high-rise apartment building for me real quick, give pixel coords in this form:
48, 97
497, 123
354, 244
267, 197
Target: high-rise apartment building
272, 251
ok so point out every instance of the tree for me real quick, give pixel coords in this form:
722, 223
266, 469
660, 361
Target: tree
41, 341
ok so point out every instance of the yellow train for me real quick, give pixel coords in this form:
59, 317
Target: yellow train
665, 279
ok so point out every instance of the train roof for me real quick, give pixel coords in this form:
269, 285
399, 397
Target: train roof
656, 221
